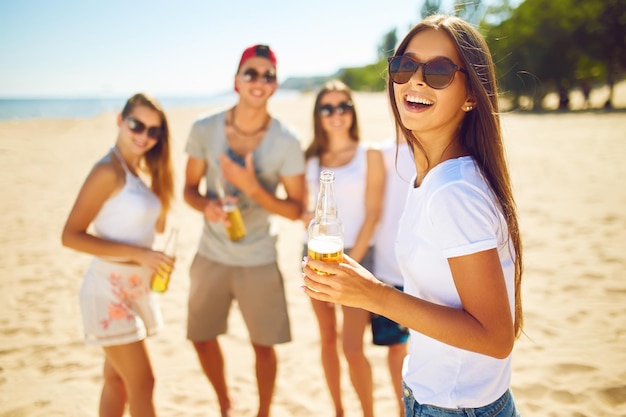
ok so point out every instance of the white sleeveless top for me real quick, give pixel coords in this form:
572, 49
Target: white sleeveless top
399, 171
131, 214
350, 185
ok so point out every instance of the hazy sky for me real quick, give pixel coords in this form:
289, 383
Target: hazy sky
181, 47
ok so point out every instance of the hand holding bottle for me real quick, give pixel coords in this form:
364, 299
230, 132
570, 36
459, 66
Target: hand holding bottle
325, 229
235, 227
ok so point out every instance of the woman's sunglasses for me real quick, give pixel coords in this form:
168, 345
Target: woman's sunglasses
154, 132
327, 110
437, 74
251, 75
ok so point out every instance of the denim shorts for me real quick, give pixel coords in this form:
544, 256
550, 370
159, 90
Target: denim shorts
387, 332
502, 407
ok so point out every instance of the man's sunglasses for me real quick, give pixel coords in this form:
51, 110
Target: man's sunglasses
154, 132
327, 110
437, 74
251, 75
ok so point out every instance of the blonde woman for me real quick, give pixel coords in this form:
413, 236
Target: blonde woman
126, 198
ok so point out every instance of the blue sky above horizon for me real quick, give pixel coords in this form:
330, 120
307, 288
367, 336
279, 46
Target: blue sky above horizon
72, 48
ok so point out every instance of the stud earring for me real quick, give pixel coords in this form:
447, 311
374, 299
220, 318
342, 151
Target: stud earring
468, 108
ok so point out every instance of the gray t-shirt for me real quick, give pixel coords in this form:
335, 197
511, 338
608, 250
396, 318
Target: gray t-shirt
279, 154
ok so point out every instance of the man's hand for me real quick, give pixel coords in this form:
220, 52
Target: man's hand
243, 178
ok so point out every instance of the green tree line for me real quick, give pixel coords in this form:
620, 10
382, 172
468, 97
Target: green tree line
545, 46
539, 46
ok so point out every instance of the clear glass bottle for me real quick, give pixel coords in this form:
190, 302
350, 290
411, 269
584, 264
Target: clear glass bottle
161, 278
236, 229
325, 229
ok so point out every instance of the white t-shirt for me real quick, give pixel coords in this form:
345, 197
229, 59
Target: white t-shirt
452, 213
399, 173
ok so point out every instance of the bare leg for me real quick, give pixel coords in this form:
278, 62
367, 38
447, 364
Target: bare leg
113, 397
355, 321
395, 357
132, 364
266, 365
327, 321
212, 362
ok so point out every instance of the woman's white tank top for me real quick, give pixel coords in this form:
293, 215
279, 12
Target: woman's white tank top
350, 185
131, 214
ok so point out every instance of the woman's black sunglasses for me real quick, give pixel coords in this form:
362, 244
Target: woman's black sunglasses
251, 75
437, 73
154, 132
327, 110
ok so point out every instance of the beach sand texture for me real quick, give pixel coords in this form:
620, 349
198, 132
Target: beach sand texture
567, 170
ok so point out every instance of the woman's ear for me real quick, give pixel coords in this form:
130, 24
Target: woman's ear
469, 104
120, 119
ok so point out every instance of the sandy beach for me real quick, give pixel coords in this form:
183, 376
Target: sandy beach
568, 171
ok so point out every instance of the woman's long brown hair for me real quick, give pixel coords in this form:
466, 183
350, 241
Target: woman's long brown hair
157, 162
480, 132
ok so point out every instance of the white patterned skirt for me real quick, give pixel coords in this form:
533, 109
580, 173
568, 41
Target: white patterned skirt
117, 304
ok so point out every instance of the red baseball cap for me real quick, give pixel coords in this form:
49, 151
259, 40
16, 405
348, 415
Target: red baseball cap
262, 51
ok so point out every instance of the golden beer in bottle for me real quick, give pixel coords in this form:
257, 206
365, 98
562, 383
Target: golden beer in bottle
326, 249
161, 278
236, 230
325, 229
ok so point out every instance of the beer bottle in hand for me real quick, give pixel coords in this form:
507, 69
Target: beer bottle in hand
236, 229
325, 229
161, 278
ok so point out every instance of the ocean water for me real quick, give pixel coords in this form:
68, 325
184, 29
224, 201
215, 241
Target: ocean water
62, 108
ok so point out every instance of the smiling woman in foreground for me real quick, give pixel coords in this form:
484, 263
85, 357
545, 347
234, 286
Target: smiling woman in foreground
458, 244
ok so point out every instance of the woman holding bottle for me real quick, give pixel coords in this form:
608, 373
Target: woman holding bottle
458, 244
359, 183
118, 308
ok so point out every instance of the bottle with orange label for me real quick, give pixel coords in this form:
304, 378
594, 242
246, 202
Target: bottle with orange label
325, 230
161, 278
